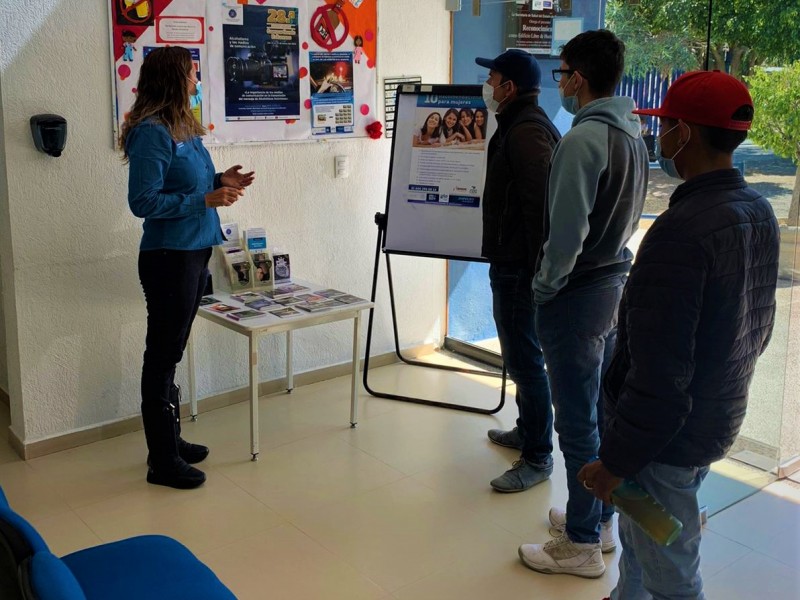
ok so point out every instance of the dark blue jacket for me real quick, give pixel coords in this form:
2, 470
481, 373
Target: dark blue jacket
697, 312
515, 193
167, 187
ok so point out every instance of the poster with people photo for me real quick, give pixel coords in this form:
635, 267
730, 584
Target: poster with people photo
455, 127
449, 139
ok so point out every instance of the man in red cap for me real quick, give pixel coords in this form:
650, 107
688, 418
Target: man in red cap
697, 311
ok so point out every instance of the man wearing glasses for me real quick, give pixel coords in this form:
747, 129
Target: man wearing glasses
596, 190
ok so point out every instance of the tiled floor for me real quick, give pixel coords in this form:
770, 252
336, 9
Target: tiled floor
399, 508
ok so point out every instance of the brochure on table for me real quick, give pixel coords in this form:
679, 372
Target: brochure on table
286, 301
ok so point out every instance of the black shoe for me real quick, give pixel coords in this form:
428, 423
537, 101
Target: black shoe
179, 475
192, 453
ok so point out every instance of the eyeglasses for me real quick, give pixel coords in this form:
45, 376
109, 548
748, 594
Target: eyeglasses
559, 73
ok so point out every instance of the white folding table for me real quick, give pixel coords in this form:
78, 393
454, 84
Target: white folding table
258, 327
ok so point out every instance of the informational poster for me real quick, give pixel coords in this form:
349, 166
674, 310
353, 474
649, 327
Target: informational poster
271, 69
332, 98
530, 26
434, 205
139, 26
448, 144
262, 56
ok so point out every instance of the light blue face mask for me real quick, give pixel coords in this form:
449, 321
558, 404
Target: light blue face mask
668, 164
569, 103
196, 98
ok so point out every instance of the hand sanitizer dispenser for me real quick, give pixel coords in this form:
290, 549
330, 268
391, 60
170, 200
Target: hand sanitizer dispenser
49, 133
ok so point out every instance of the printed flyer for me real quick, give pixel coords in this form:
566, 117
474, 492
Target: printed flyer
531, 25
262, 53
332, 98
448, 151
139, 26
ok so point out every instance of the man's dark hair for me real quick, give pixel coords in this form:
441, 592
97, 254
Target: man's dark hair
727, 140
599, 56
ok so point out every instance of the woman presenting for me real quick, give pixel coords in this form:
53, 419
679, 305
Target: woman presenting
173, 187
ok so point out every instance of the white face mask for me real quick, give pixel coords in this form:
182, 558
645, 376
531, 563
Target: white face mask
488, 96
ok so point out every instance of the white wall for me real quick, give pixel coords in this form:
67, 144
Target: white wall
4, 247
76, 321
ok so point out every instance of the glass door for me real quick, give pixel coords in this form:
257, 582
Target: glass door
757, 43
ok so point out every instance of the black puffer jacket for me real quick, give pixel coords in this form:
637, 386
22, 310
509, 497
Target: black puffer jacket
697, 312
515, 193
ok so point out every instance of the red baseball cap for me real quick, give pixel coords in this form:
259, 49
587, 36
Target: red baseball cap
705, 98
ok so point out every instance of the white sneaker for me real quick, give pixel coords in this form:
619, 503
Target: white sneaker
558, 524
562, 555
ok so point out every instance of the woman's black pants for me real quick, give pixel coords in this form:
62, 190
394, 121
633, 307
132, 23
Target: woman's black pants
173, 282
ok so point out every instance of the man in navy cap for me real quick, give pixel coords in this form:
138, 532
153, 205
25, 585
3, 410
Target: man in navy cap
513, 222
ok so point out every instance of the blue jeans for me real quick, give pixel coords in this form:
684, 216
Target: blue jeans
514, 309
648, 571
578, 330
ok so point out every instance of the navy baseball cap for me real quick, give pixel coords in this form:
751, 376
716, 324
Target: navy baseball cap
517, 65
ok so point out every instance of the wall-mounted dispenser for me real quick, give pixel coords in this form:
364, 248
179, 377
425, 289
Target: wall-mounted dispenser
49, 133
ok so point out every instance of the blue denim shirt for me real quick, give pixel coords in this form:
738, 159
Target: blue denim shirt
167, 184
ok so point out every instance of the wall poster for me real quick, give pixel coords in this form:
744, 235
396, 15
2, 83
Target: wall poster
530, 26
271, 69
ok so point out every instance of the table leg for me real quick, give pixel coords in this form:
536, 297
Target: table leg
289, 366
254, 396
354, 375
192, 384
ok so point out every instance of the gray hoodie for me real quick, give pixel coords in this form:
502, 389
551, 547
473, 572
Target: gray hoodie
596, 191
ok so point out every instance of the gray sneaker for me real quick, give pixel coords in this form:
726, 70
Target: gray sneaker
508, 439
522, 476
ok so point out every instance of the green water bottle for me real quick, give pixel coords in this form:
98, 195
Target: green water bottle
641, 508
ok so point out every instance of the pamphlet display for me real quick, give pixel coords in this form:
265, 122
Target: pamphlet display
271, 69
244, 262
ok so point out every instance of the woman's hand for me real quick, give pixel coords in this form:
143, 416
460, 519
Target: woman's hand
233, 178
224, 196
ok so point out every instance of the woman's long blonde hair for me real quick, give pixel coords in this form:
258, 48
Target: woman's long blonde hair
163, 94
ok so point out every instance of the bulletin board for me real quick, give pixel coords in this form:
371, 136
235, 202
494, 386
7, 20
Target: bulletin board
271, 70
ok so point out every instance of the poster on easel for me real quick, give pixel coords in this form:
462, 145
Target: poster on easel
272, 70
438, 170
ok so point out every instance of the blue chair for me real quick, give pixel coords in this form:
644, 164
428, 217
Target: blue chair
148, 566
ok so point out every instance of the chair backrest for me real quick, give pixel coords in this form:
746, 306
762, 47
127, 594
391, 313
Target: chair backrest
12, 554
28, 571
15, 550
